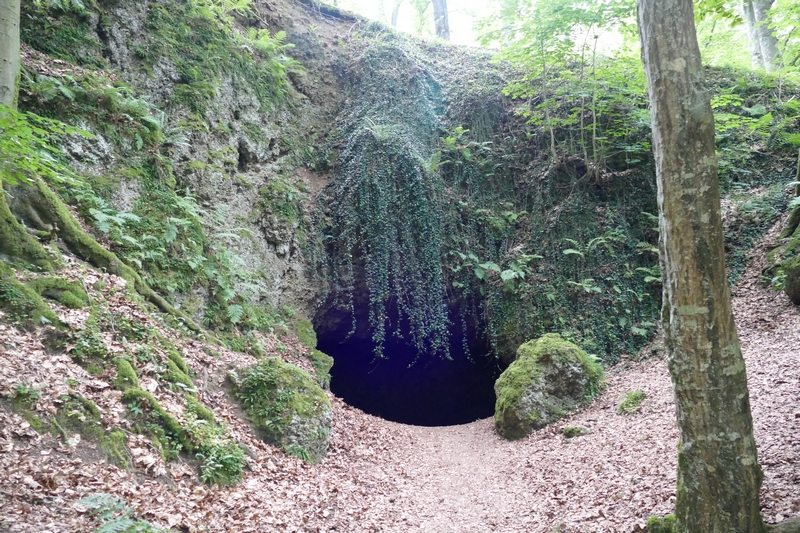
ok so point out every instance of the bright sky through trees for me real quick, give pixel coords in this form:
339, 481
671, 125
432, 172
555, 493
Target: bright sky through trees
720, 44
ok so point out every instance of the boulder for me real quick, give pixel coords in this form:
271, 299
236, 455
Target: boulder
549, 378
791, 285
287, 406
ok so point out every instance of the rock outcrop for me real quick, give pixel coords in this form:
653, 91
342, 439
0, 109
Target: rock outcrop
287, 406
549, 378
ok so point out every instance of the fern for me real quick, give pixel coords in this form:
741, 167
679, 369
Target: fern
115, 515
235, 313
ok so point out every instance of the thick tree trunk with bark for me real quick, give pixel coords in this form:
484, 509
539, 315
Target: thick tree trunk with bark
440, 19
718, 473
9, 52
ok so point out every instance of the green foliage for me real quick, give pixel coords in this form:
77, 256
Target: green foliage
109, 105
493, 208
384, 208
28, 148
221, 458
88, 343
284, 199
62, 29
115, 516
631, 402
199, 38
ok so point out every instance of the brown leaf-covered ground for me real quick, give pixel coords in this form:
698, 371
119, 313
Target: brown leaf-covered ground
383, 476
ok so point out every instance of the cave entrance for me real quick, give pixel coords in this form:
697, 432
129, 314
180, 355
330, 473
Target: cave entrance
430, 391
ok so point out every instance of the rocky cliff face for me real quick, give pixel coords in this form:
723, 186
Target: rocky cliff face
237, 149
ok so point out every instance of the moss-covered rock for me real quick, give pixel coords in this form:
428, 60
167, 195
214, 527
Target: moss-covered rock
306, 334
77, 414
175, 375
172, 429
126, 375
114, 444
176, 358
21, 302
791, 285
322, 364
199, 410
16, 244
69, 293
661, 525
290, 409
549, 378
631, 402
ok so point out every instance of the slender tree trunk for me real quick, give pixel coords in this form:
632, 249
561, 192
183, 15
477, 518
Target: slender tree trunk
395, 13
748, 12
766, 38
440, 19
718, 473
382, 10
9, 52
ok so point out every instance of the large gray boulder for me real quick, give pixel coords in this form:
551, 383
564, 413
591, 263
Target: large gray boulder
287, 406
549, 378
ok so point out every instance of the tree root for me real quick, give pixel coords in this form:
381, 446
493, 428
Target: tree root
46, 210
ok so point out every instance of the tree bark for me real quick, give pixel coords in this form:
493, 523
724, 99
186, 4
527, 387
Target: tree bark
767, 41
395, 13
718, 473
748, 12
9, 52
440, 19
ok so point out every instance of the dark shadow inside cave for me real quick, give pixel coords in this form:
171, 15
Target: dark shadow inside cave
431, 391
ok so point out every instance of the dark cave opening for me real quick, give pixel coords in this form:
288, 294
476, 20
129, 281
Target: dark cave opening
402, 387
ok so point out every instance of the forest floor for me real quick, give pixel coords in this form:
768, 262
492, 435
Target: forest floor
388, 477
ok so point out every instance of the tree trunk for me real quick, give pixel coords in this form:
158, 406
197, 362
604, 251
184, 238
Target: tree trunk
748, 12
440, 19
767, 41
9, 52
382, 10
718, 473
395, 13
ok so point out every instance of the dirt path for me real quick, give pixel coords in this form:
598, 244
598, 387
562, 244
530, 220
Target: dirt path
465, 479
385, 477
